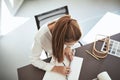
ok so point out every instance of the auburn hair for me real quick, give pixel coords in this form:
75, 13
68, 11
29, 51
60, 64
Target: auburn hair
66, 30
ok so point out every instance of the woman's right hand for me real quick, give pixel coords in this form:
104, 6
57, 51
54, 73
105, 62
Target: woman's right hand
61, 69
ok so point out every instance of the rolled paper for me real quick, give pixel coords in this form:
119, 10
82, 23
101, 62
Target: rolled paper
103, 76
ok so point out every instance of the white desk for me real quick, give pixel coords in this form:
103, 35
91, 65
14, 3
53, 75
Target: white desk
108, 25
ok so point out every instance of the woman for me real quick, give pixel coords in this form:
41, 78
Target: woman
57, 39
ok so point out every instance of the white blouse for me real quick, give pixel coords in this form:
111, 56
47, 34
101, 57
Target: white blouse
42, 41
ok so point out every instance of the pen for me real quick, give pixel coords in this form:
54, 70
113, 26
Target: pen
91, 54
66, 75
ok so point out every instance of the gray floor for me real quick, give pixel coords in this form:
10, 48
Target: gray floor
15, 47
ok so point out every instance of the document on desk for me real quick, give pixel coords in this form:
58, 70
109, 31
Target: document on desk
75, 66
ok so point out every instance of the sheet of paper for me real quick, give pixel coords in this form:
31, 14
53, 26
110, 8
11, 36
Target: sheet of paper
53, 76
76, 65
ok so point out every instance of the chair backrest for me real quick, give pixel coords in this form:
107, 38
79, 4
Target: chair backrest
50, 15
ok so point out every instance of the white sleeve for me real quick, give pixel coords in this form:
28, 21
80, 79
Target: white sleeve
35, 57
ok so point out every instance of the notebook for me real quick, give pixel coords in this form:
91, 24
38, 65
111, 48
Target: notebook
75, 66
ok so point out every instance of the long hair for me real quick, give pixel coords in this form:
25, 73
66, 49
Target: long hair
66, 30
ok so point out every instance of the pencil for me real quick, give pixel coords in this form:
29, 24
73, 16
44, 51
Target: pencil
91, 54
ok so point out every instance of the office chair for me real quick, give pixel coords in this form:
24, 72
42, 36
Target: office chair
49, 16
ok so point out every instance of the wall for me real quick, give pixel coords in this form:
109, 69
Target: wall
0, 17
14, 5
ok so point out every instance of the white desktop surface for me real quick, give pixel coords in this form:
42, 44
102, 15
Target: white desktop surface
108, 25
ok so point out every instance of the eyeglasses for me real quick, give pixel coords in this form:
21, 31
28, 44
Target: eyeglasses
99, 40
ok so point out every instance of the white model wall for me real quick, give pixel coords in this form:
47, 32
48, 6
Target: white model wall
13, 5
0, 17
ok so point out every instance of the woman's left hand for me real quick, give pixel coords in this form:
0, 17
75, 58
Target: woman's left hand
69, 53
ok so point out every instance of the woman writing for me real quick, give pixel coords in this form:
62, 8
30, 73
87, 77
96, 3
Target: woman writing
56, 38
